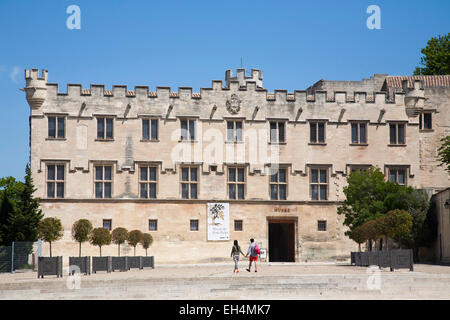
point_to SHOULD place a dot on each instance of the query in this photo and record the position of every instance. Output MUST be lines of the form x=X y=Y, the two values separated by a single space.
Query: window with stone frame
x=56 y=127
x=150 y=129
x=189 y=182
x=278 y=184
x=103 y=181
x=397 y=133
x=107 y=224
x=236 y=183
x=148 y=179
x=322 y=225
x=193 y=225
x=317 y=132
x=234 y=131
x=425 y=122
x=55 y=180
x=153 y=225
x=277 y=131
x=359 y=132
x=105 y=128
x=187 y=129
x=397 y=175
x=238 y=225
x=318 y=183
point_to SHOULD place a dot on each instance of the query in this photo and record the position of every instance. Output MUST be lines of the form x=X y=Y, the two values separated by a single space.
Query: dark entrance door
x=281 y=241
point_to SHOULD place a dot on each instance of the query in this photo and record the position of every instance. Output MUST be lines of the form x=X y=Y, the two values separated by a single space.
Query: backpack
x=257 y=249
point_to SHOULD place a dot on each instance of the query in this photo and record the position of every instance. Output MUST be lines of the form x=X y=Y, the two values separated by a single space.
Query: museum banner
x=218 y=221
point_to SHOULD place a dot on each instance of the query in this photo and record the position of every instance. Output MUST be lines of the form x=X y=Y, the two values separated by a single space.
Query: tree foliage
x=100 y=237
x=50 y=229
x=134 y=237
x=436 y=57
x=81 y=231
x=146 y=241
x=396 y=224
x=119 y=236
x=444 y=153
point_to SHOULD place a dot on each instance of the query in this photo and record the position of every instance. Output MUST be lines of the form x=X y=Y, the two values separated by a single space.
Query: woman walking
x=235 y=254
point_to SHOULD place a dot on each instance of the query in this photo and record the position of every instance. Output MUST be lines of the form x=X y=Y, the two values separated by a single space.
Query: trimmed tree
x=370 y=232
x=119 y=235
x=100 y=237
x=134 y=237
x=358 y=236
x=50 y=229
x=146 y=241
x=81 y=231
x=397 y=223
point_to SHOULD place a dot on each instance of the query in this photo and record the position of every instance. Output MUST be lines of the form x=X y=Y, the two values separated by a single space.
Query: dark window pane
x=392 y=134
x=362 y=133
x=144 y=173
x=185 y=174
x=274 y=192
x=193 y=191
x=401 y=177
x=153 y=225
x=107 y=224
x=60 y=172
x=354 y=133
x=51 y=172
x=282 y=177
x=312 y=132
x=238 y=131
x=401 y=133
x=282 y=191
x=241 y=191
x=427 y=120
x=281 y=131
x=108 y=173
x=321 y=129
x=50 y=189
x=60 y=189
x=230 y=131
x=61 y=125
x=323 y=176
x=315 y=192
x=109 y=128
x=52 y=127
x=183 y=130
x=193 y=174
x=240 y=174
x=237 y=225
x=98 y=189
x=194 y=225
x=99 y=173
x=232 y=191
x=145 y=129
x=323 y=192
x=152 y=190
x=392 y=175
x=152 y=171
x=192 y=129
x=314 y=175
x=420 y=122
x=274 y=176
x=185 y=191
x=143 y=190
x=273 y=132
x=154 y=129
x=100 y=128
x=107 y=189
x=232 y=174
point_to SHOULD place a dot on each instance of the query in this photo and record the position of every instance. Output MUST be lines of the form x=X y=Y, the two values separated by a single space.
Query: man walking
x=253 y=251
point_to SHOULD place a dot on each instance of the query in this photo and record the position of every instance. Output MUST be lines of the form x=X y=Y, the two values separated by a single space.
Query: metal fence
x=20 y=255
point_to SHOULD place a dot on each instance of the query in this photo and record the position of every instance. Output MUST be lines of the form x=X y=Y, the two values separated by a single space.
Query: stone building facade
x=154 y=160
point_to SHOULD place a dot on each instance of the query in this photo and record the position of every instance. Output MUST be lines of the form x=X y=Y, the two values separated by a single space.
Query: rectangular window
x=359 y=132
x=56 y=127
x=147 y=182
x=105 y=128
x=107 y=224
x=189 y=182
x=103 y=181
x=153 y=225
x=236 y=183
x=234 y=131
x=278 y=185
x=194 y=225
x=187 y=129
x=55 y=180
x=319 y=184
x=321 y=225
x=317 y=132
x=397 y=176
x=425 y=121
x=237 y=225
x=277 y=131
x=397 y=133
x=150 y=129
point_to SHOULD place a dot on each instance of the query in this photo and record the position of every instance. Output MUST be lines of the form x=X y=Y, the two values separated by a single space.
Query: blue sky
x=191 y=42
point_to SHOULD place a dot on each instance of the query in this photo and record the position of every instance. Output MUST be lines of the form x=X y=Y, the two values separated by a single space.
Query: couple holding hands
x=253 y=251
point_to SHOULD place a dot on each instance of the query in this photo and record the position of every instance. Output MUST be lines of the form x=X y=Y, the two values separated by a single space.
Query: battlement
x=256 y=76
x=33 y=74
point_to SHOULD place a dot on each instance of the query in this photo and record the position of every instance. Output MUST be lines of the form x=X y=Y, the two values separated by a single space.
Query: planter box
x=395 y=259
x=83 y=263
x=364 y=259
x=357 y=256
x=101 y=264
x=402 y=258
x=49 y=266
x=148 y=262
x=374 y=258
x=134 y=262
x=353 y=258
x=384 y=259
x=119 y=263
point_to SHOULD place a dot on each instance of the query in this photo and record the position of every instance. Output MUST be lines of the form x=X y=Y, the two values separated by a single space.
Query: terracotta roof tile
x=429 y=81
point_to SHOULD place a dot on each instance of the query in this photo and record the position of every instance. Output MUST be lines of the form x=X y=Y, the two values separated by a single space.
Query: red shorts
x=253 y=258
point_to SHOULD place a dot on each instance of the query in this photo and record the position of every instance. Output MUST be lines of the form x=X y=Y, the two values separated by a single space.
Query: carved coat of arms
x=233 y=104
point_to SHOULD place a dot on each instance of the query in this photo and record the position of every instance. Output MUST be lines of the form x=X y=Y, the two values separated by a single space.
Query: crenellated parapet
x=36 y=87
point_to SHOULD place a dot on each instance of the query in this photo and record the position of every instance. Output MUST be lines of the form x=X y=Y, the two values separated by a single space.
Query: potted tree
x=81 y=231
x=100 y=237
x=50 y=229
x=119 y=236
x=135 y=237
x=146 y=242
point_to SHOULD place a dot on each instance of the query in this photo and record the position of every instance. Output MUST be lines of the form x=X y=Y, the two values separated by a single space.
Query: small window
x=105 y=128
x=234 y=131
x=425 y=121
x=397 y=175
x=56 y=127
x=321 y=225
x=150 y=129
x=107 y=224
x=187 y=130
x=277 y=131
x=194 y=225
x=55 y=180
x=317 y=132
x=359 y=135
x=152 y=225
x=397 y=133
x=237 y=225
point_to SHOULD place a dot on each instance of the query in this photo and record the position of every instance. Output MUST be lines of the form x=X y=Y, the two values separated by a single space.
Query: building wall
x=442 y=245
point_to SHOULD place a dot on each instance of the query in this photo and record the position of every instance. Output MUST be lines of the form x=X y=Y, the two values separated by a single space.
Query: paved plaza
x=217 y=281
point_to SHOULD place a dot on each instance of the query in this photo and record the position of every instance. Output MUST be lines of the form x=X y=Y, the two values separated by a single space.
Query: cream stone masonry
x=242 y=98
